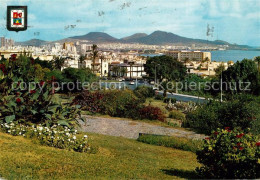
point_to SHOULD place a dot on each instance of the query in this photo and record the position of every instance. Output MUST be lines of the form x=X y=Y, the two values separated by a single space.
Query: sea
x=226 y=55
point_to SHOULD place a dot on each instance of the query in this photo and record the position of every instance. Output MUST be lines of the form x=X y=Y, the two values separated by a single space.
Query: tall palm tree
x=94 y=55
x=59 y=62
x=115 y=70
x=123 y=71
x=102 y=57
x=81 y=59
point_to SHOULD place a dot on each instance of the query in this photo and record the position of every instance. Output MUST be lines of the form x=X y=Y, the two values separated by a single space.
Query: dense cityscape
x=117 y=54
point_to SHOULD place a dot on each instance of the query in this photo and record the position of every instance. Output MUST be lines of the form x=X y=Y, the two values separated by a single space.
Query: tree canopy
x=167 y=68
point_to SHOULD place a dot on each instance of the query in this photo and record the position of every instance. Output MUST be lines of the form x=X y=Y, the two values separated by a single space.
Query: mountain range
x=155 y=38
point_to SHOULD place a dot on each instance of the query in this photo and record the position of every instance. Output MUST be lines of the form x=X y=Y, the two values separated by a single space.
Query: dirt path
x=131 y=129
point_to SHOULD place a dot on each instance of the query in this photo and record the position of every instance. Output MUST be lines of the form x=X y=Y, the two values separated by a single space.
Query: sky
x=235 y=21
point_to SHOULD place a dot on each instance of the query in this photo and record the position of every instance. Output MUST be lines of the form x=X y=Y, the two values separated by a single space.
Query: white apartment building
x=191 y=55
x=132 y=70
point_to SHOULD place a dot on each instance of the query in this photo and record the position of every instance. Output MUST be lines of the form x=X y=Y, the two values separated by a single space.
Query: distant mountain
x=161 y=38
x=32 y=42
x=155 y=38
x=96 y=37
x=133 y=37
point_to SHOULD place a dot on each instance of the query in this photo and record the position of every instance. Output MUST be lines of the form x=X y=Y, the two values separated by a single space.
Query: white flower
x=69 y=140
x=74 y=137
x=67 y=134
x=9 y=131
x=40 y=128
x=85 y=136
x=76 y=130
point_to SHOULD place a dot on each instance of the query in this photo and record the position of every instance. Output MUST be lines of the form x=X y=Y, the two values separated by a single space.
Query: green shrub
x=55 y=73
x=116 y=103
x=177 y=115
x=241 y=112
x=158 y=97
x=166 y=100
x=144 y=92
x=230 y=154
x=120 y=103
x=170 y=141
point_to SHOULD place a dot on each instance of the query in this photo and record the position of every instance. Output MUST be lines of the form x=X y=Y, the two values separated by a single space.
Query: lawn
x=117 y=158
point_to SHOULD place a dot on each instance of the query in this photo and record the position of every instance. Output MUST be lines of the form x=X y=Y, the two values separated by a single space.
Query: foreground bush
x=242 y=111
x=230 y=155
x=170 y=141
x=26 y=99
x=89 y=101
x=151 y=113
x=177 y=115
x=144 y=92
x=117 y=103
x=55 y=136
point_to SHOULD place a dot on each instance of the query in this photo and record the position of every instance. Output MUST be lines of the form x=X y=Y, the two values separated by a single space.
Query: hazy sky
x=235 y=21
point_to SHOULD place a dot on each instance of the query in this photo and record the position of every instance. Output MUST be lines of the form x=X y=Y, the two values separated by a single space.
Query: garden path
x=130 y=128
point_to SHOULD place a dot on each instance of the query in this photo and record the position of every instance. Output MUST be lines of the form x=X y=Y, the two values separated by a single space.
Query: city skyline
x=234 y=21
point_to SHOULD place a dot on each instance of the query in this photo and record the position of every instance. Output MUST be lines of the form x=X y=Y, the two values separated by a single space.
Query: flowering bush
x=230 y=154
x=152 y=113
x=55 y=136
x=89 y=101
x=117 y=103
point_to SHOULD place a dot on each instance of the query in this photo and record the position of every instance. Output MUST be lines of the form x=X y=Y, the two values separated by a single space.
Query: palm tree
x=81 y=59
x=115 y=70
x=123 y=71
x=94 y=55
x=59 y=62
x=102 y=58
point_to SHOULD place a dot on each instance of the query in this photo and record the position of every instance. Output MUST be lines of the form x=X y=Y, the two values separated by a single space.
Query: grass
x=173 y=142
x=117 y=158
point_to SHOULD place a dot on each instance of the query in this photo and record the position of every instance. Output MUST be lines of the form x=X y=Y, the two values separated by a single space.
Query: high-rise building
x=2 y=41
x=69 y=46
